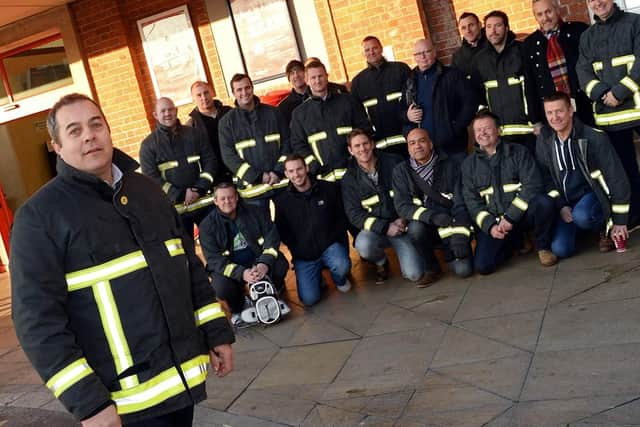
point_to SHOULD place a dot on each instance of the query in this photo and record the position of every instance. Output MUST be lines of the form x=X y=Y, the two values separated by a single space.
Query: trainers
x=605 y=244
x=547 y=258
x=382 y=272
x=344 y=288
x=238 y=323
x=428 y=279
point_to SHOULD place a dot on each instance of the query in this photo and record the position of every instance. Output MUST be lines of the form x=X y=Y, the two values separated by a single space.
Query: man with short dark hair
x=503 y=191
x=117 y=314
x=379 y=88
x=311 y=222
x=473 y=41
x=295 y=74
x=584 y=176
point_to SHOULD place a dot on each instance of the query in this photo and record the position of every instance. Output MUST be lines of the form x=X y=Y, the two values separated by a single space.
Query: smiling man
x=117 y=315
x=473 y=41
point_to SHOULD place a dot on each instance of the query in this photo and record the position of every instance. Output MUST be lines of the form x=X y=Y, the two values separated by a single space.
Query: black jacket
x=178 y=159
x=598 y=163
x=319 y=130
x=507 y=88
x=463 y=57
x=254 y=142
x=108 y=309
x=288 y=104
x=216 y=238
x=209 y=126
x=379 y=90
x=608 y=62
x=454 y=105
x=370 y=207
x=502 y=184
x=535 y=52
x=310 y=222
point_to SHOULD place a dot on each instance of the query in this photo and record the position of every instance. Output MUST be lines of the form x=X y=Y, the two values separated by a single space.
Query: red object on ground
x=6 y=219
x=275 y=96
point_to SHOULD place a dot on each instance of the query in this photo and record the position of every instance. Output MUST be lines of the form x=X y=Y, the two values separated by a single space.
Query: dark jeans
x=540 y=216
x=309 y=273
x=233 y=291
x=622 y=142
x=587 y=215
x=180 y=418
x=425 y=238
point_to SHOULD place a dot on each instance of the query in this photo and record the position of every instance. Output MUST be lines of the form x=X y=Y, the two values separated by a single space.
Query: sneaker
x=344 y=288
x=605 y=244
x=238 y=323
x=428 y=279
x=547 y=258
x=382 y=272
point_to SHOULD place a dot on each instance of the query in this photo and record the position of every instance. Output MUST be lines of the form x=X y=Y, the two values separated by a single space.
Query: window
x=265 y=35
x=629 y=5
x=33 y=69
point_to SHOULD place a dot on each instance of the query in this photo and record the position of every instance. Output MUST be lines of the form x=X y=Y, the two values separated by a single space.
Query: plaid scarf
x=425 y=171
x=557 y=63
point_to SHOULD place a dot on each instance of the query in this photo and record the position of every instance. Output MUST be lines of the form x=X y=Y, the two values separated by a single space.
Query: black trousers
x=180 y=418
x=622 y=142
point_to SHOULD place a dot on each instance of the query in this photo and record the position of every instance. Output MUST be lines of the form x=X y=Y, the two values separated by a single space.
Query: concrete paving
x=526 y=346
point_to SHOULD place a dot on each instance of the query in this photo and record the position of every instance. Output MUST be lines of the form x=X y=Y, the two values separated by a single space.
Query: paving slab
x=627 y=413
x=328 y=416
x=272 y=407
x=23 y=417
x=624 y=286
x=520 y=330
x=35 y=399
x=439 y=306
x=398 y=319
x=206 y=417
x=390 y=405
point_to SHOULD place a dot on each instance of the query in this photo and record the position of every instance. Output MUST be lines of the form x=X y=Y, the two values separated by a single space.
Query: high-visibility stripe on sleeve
x=590 y=87
x=309 y=159
x=482 y=215
x=207 y=176
x=370 y=201
x=228 y=270
x=629 y=84
x=393 y=96
x=597 y=66
x=166 y=187
x=510 y=188
x=553 y=194
x=368 y=223
x=416 y=201
x=598 y=176
x=167 y=165
x=260 y=240
x=520 y=204
x=273 y=137
x=68 y=376
x=193 y=159
x=270 y=251
x=390 y=141
x=445 y=232
x=174 y=246
x=281 y=159
x=490 y=84
x=370 y=102
x=623 y=60
x=620 y=208
x=208 y=313
x=343 y=130
x=317 y=137
x=200 y=203
x=242 y=170
x=417 y=213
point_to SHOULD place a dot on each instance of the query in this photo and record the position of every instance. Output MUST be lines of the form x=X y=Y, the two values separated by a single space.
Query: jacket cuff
x=218 y=332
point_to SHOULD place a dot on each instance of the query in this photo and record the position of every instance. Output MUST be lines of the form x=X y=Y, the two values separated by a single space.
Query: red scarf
x=557 y=63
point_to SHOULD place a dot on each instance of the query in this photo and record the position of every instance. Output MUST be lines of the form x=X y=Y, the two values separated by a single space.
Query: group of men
x=107 y=313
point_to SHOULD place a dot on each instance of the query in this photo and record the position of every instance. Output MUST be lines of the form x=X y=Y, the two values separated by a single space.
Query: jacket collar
x=195 y=112
x=615 y=15
x=383 y=64
x=125 y=163
x=482 y=41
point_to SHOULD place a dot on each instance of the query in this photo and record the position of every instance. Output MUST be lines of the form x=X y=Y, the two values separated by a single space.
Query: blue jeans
x=587 y=215
x=371 y=247
x=309 y=273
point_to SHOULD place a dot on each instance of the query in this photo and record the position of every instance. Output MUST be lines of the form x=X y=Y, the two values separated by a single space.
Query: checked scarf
x=557 y=63
x=425 y=171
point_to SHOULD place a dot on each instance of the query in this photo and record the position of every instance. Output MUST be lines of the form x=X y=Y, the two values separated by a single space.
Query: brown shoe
x=605 y=244
x=547 y=258
x=428 y=279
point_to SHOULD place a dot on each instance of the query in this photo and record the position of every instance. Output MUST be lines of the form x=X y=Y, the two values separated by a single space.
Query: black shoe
x=382 y=272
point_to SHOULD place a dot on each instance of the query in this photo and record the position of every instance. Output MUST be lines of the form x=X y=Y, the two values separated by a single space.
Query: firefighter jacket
x=216 y=238
x=463 y=57
x=535 y=53
x=178 y=159
x=454 y=105
x=117 y=307
x=409 y=199
x=368 y=206
x=508 y=90
x=379 y=89
x=608 y=52
x=597 y=162
x=252 y=143
x=319 y=130
x=310 y=222
x=500 y=185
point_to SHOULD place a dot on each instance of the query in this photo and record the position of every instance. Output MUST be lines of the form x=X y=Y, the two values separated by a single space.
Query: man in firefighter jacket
x=609 y=73
x=367 y=192
x=117 y=315
x=320 y=126
x=503 y=191
x=181 y=160
x=473 y=41
x=499 y=73
x=379 y=88
x=240 y=244
x=254 y=140
x=427 y=190
x=584 y=176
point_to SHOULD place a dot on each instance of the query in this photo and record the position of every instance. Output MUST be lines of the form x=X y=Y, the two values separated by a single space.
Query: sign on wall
x=172 y=54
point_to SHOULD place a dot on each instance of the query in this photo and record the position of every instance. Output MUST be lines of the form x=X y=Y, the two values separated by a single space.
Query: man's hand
x=497 y=233
x=505 y=226
x=273 y=178
x=260 y=270
x=221 y=358
x=401 y=222
x=394 y=230
x=108 y=417
x=190 y=196
x=414 y=114
x=619 y=232
x=249 y=275
x=610 y=100
x=265 y=177
x=566 y=214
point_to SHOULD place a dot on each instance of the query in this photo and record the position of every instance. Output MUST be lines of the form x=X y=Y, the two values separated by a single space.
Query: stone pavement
x=527 y=346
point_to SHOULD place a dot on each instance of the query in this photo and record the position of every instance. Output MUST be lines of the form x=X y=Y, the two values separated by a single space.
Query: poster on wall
x=172 y=54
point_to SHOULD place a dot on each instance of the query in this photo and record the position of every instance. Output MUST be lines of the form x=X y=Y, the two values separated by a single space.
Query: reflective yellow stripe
x=554 y=194
x=417 y=213
x=309 y=159
x=208 y=313
x=597 y=66
x=520 y=204
x=371 y=201
x=228 y=270
x=174 y=246
x=590 y=87
x=270 y=251
x=313 y=141
x=391 y=194
x=167 y=165
x=393 y=96
x=317 y=137
x=490 y=84
x=512 y=81
x=163 y=386
x=481 y=217
x=598 y=176
x=390 y=141
x=242 y=170
x=257 y=190
x=368 y=223
x=282 y=159
x=416 y=201
x=68 y=376
x=445 y=232
x=193 y=159
x=260 y=241
x=486 y=192
x=241 y=145
x=618 y=117
x=333 y=176
x=200 y=203
x=274 y=137
x=516 y=129
x=109 y=270
x=166 y=187
x=510 y=188
x=627 y=60
x=370 y=102
x=343 y=130
x=620 y=209
x=630 y=84
x=207 y=176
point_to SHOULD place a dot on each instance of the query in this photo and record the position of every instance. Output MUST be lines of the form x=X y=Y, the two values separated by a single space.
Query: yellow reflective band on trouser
x=273 y=137
x=368 y=223
x=166 y=187
x=598 y=176
x=590 y=87
x=242 y=170
x=554 y=194
x=68 y=376
x=516 y=129
x=369 y=102
x=228 y=270
x=520 y=204
x=597 y=66
x=393 y=96
x=333 y=176
x=390 y=141
x=208 y=313
x=445 y=232
x=270 y=251
x=193 y=159
x=417 y=213
x=207 y=176
x=343 y=130
x=481 y=217
x=624 y=116
x=370 y=201
x=200 y=203
x=161 y=387
x=510 y=188
x=620 y=209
